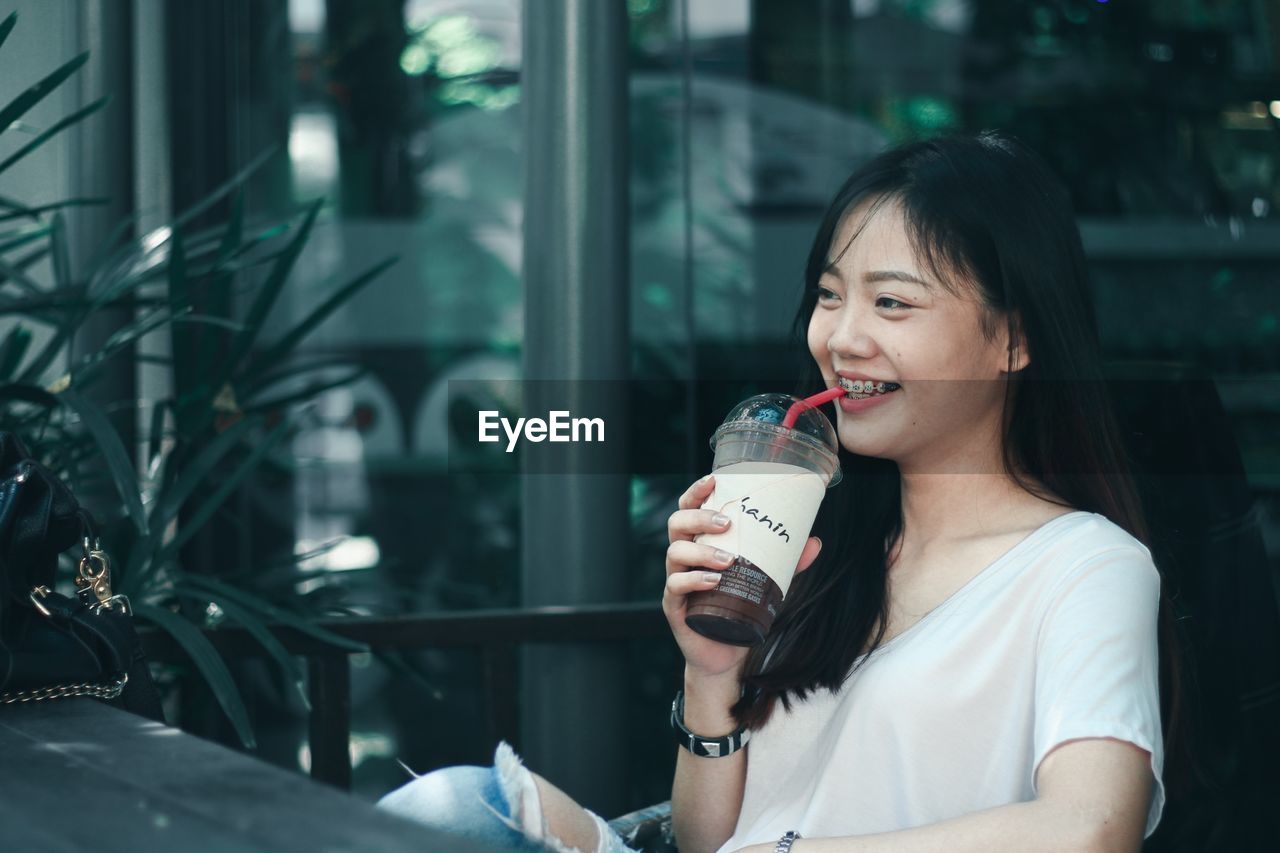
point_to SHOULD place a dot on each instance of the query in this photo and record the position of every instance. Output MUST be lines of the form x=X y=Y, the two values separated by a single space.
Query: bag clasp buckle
x=37 y=596
x=93 y=579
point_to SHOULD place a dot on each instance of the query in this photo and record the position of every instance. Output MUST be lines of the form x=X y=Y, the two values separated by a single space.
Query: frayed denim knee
x=496 y=805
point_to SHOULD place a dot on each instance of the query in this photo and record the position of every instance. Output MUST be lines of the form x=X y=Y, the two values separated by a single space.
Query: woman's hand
x=688 y=565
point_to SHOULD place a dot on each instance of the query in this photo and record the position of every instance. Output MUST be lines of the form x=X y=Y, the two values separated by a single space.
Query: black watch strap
x=708 y=747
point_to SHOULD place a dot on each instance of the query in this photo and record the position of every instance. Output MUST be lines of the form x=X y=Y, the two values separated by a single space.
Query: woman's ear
x=1018 y=354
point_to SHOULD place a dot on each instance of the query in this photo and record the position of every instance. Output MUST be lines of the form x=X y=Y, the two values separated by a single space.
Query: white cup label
x=771 y=507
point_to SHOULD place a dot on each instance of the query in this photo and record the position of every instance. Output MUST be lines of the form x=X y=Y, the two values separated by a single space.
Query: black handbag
x=53 y=645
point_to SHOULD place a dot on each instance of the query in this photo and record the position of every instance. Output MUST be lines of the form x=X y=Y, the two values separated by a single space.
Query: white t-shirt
x=1054 y=641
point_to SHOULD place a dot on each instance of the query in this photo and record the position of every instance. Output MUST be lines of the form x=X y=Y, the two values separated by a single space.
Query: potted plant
x=236 y=397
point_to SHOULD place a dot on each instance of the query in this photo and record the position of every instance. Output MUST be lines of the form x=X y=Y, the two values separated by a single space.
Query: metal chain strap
x=98 y=691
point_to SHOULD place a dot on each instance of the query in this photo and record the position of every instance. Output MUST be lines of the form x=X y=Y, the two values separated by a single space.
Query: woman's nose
x=849 y=338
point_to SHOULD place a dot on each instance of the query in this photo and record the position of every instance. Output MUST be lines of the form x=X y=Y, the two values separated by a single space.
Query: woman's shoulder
x=1093 y=533
x=1080 y=529
x=1090 y=545
x=1090 y=531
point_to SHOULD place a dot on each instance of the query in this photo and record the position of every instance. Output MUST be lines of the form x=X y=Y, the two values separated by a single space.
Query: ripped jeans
x=496 y=805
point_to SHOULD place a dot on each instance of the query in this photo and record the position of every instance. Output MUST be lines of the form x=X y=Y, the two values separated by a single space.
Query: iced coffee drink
x=775 y=457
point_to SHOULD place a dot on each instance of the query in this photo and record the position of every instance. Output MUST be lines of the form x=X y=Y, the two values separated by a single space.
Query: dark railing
x=497 y=634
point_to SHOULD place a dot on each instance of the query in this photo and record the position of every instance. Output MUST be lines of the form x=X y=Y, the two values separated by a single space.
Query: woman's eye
x=823 y=293
x=896 y=304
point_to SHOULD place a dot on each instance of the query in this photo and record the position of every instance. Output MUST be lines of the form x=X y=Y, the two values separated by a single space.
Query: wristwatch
x=784 y=843
x=709 y=747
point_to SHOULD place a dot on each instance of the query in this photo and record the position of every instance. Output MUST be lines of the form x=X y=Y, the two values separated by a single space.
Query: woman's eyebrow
x=879 y=275
x=894 y=275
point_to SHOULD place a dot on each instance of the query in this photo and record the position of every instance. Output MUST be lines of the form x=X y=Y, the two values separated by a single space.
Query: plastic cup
x=770 y=481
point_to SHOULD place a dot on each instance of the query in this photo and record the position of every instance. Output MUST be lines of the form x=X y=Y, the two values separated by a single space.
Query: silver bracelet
x=785 y=842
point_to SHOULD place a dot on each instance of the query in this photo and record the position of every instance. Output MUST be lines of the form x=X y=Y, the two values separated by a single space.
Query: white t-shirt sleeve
x=1097 y=661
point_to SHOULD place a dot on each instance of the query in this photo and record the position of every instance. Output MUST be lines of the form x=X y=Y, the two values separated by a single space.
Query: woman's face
x=872 y=319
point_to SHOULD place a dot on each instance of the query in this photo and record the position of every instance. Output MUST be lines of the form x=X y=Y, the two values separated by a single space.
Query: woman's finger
x=683 y=555
x=810 y=553
x=697 y=493
x=683 y=583
x=688 y=523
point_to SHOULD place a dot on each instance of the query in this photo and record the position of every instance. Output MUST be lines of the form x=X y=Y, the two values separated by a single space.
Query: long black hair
x=981 y=209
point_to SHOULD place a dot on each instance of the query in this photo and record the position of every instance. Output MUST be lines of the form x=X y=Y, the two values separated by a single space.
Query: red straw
x=789 y=419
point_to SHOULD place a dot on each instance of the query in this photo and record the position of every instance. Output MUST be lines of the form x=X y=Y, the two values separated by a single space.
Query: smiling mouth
x=860 y=390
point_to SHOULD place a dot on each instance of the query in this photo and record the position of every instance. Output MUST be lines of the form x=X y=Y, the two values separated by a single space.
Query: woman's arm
x=1094 y=796
x=706 y=795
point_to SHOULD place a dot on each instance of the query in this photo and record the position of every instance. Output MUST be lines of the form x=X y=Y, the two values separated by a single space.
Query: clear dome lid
x=761 y=418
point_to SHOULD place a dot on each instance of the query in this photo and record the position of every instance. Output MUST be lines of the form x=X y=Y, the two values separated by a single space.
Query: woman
x=970 y=661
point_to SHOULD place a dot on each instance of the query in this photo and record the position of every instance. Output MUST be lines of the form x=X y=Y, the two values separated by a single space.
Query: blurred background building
x=407 y=117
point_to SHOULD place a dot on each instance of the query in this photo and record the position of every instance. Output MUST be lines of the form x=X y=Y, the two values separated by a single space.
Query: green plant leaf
x=20 y=211
x=52 y=303
x=308 y=392
x=269 y=233
x=211 y=347
x=220 y=296
x=182 y=346
x=32 y=394
x=222 y=190
x=15 y=237
x=152 y=358
x=209 y=320
x=126 y=335
x=275 y=353
x=259 y=631
x=67 y=326
x=16 y=274
x=297 y=366
x=268 y=293
x=285 y=568
x=61 y=253
x=143 y=260
x=57 y=127
x=345 y=578
x=30 y=259
x=124 y=227
x=207 y=275
x=233 y=236
x=155 y=437
x=232 y=241
x=13 y=350
x=18 y=107
x=241 y=472
x=121 y=338
x=36 y=367
x=194 y=473
x=7 y=25
x=207 y=661
x=121 y=270
x=270 y=611
x=113 y=454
